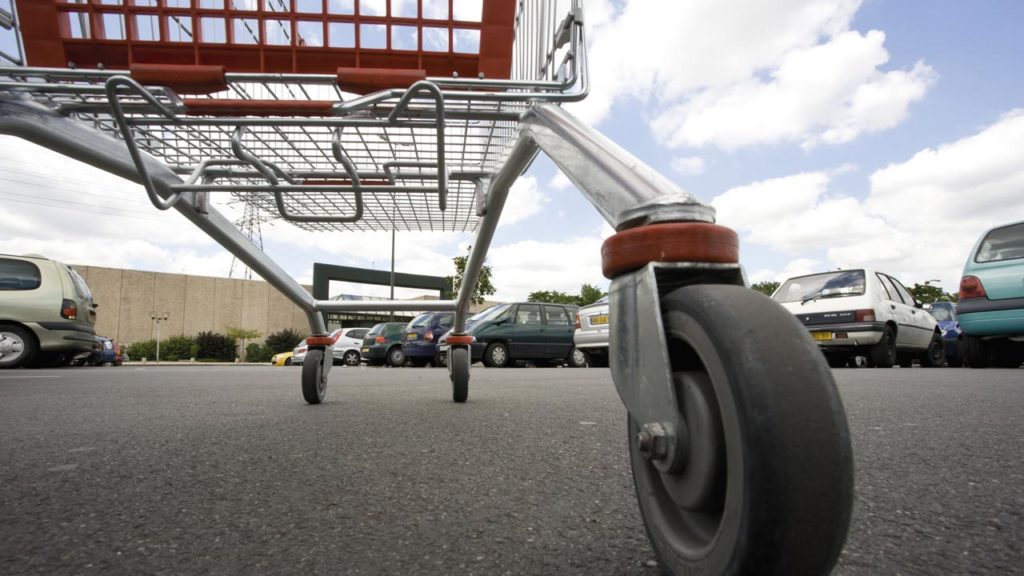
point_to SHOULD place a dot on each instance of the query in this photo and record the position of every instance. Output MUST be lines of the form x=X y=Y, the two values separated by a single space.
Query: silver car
x=591 y=334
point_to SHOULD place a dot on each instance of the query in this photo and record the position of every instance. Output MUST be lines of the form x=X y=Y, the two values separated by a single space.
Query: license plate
x=819 y=336
x=412 y=336
x=599 y=320
x=366 y=349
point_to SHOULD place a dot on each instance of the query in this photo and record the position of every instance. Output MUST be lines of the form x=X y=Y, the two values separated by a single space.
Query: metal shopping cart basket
x=335 y=116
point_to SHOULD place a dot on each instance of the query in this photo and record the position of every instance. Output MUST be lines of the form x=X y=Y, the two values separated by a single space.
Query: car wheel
x=935 y=355
x=396 y=357
x=496 y=355
x=576 y=359
x=883 y=354
x=287 y=361
x=440 y=359
x=17 y=346
x=977 y=353
x=351 y=358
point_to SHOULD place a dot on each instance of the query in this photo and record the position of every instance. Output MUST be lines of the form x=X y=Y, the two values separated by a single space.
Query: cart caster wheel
x=314 y=381
x=763 y=483
x=459 y=360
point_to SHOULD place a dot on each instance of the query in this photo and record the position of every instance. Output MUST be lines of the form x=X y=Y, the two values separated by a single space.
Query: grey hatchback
x=47 y=315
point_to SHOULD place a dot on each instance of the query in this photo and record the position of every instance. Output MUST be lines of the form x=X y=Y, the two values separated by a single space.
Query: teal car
x=991 y=303
x=533 y=331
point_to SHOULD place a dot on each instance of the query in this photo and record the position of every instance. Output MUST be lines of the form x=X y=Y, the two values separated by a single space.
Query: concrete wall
x=193 y=304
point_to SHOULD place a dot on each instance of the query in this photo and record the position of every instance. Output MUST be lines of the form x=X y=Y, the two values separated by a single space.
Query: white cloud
x=919 y=221
x=560 y=181
x=524 y=200
x=688 y=165
x=527 y=266
x=733 y=74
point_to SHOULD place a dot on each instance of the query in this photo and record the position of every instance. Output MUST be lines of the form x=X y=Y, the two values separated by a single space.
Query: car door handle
x=893 y=306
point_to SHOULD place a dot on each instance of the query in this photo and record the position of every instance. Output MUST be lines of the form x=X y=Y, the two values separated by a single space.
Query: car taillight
x=865 y=315
x=970 y=287
x=577 y=320
x=380 y=340
x=68 y=309
x=429 y=337
x=302 y=350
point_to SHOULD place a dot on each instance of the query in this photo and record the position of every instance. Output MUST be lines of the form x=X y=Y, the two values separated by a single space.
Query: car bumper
x=848 y=335
x=70 y=336
x=591 y=339
x=993 y=322
x=419 y=349
x=374 y=353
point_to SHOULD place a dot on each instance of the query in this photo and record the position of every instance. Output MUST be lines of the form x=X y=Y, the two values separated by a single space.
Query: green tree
x=590 y=294
x=553 y=296
x=767 y=287
x=928 y=293
x=213 y=346
x=283 y=340
x=242 y=334
x=484 y=288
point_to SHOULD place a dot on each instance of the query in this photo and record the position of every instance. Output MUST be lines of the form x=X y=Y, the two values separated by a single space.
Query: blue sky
x=832 y=133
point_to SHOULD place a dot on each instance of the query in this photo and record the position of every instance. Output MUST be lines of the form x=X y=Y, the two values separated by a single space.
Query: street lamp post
x=158 y=318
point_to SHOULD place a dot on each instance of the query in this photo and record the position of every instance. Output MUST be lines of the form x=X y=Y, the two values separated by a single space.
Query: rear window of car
x=394 y=328
x=361 y=333
x=1006 y=243
x=80 y=286
x=826 y=285
x=420 y=321
x=375 y=330
x=19 y=275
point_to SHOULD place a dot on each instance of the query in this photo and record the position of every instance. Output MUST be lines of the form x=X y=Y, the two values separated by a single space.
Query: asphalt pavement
x=225 y=470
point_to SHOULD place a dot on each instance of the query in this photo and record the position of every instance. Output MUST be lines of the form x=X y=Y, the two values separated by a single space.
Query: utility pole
x=157 y=318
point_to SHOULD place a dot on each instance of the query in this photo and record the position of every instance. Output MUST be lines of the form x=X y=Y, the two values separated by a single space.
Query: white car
x=591 y=335
x=862 y=312
x=344 y=351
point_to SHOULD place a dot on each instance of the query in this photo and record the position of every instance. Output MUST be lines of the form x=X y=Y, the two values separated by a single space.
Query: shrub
x=283 y=340
x=257 y=353
x=178 y=348
x=142 y=349
x=211 y=345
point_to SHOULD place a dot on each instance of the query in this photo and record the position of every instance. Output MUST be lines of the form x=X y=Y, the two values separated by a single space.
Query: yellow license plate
x=412 y=336
x=599 y=320
x=819 y=336
x=366 y=349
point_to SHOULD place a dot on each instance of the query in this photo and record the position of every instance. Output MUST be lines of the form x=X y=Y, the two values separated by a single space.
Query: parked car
x=104 y=351
x=862 y=312
x=47 y=314
x=945 y=315
x=991 y=304
x=591 y=335
x=421 y=336
x=282 y=358
x=345 y=349
x=525 y=331
x=383 y=344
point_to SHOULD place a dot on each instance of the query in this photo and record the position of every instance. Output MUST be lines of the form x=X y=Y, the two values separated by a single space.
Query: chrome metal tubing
x=386 y=305
x=38 y=124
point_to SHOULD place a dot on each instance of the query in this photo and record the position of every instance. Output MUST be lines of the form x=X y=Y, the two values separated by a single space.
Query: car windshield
x=1006 y=243
x=824 y=285
x=491 y=313
x=420 y=321
x=941 y=313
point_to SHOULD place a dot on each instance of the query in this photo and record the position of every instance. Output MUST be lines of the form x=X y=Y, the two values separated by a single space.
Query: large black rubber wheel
x=351 y=358
x=314 y=382
x=767 y=484
x=935 y=355
x=576 y=359
x=396 y=357
x=883 y=354
x=17 y=346
x=977 y=353
x=496 y=355
x=459 y=358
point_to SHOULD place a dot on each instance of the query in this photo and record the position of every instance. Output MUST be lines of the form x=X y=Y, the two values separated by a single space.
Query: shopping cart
x=336 y=119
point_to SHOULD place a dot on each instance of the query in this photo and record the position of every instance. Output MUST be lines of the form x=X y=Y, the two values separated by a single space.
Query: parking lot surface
x=224 y=469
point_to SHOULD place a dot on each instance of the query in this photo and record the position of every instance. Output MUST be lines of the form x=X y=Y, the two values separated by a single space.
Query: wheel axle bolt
x=652 y=441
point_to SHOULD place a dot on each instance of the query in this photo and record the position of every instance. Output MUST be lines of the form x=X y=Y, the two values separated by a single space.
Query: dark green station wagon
x=525 y=331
